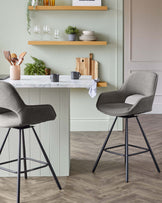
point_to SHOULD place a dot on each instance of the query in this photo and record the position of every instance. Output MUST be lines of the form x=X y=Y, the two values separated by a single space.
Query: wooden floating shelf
x=67 y=43
x=69 y=8
x=102 y=84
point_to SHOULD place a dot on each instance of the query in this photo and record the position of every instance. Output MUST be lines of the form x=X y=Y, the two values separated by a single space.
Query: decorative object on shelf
x=15 y=64
x=45 y=2
x=87 y=66
x=52 y=2
x=36 y=68
x=40 y=2
x=34 y=3
x=86 y=3
x=72 y=33
x=88 y=36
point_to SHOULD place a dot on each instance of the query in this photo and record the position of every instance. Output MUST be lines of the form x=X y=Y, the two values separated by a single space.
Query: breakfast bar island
x=55 y=135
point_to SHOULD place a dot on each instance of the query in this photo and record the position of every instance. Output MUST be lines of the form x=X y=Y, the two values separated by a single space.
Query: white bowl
x=87 y=38
x=86 y=32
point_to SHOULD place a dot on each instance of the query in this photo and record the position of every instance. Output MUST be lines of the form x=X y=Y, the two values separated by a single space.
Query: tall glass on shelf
x=37 y=32
x=40 y=2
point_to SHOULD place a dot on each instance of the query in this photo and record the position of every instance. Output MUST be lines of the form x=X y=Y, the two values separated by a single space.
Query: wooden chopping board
x=94 y=69
x=87 y=66
x=83 y=66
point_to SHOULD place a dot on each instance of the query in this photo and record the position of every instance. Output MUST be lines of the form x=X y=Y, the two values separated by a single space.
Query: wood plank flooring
x=107 y=185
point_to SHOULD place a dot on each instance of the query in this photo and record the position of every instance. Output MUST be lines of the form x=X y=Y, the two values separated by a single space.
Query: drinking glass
x=46 y=32
x=37 y=32
x=56 y=33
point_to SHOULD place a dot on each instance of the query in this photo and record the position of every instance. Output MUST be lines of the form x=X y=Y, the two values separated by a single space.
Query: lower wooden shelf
x=102 y=43
x=102 y=84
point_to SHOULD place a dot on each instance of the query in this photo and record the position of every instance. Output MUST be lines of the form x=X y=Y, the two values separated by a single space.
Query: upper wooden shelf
x=67 y=42
x=69 y=8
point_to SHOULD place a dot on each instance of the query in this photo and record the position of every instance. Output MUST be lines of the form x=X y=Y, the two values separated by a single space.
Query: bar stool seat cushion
x=115 y=109
x=134 y=97
x=29 y=115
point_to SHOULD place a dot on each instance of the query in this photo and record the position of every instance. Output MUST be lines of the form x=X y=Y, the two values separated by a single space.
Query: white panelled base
x=54 y=135
x=96 y=124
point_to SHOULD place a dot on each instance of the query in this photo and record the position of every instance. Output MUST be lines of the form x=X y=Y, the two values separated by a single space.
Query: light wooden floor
x=107 y=185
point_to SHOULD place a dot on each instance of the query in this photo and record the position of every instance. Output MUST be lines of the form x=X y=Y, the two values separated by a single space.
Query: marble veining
x=65 y=81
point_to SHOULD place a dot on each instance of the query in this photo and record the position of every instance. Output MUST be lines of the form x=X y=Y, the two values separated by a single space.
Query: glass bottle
x=45 y=2
x=52 y=2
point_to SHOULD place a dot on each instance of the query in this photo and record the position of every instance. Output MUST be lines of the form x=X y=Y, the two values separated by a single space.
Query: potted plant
x=36 y=68
x=72 y=33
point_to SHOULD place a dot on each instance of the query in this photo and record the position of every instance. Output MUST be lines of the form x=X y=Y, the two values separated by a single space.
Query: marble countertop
x=45 y=82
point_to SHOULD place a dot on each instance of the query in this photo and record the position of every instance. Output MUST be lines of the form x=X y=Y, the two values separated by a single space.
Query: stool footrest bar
x=29 y=170
x=108 y=149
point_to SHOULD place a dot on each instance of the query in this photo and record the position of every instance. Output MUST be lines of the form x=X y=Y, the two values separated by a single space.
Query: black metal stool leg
x=3 y=144
x=148 y=145
x=126 y=150
x=103 y=147
x=19 y=169
x=24 y=154
x=46 y=157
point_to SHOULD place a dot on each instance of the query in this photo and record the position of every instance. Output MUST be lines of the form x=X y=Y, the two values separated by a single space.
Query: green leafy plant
x=71 y=30
x=38 y=67
x=28 y=17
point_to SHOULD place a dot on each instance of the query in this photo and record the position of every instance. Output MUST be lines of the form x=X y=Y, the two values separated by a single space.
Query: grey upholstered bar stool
x=14 y=113
x=135 y=97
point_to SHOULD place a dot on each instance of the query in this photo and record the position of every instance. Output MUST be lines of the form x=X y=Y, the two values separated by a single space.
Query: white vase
x=15 y=72
x=34 y=2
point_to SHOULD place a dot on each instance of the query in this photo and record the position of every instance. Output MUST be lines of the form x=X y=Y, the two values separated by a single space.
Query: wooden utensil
x=7 y=56
x=21 y=58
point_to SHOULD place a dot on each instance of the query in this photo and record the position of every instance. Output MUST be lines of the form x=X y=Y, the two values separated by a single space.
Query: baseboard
x=95 y=125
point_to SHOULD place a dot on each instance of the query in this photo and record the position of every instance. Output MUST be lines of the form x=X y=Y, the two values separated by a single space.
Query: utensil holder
x=15 y=72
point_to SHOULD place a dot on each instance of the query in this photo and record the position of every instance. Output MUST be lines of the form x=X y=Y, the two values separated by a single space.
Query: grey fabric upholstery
x=15 y=113
x=134 y=97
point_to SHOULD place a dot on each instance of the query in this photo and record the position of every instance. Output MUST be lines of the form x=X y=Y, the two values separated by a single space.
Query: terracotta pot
x=47 y=71
x=15 y=72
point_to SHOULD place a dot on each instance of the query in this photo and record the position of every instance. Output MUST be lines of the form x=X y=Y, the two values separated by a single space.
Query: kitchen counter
x=44 y=82
x=55 y=135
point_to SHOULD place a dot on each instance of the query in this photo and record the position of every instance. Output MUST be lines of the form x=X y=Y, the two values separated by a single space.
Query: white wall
x=107 y=24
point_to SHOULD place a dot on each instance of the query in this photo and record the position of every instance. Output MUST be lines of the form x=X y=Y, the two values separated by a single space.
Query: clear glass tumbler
x=56 y=34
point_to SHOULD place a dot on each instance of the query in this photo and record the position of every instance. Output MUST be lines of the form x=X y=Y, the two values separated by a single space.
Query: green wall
x=108 y=26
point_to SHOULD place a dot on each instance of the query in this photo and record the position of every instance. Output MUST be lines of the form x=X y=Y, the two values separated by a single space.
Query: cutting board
x=83 y=66
x=87 y=66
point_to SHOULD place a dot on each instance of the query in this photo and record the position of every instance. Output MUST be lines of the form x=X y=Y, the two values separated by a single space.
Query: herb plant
x=71 y=30
x=36 y=68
